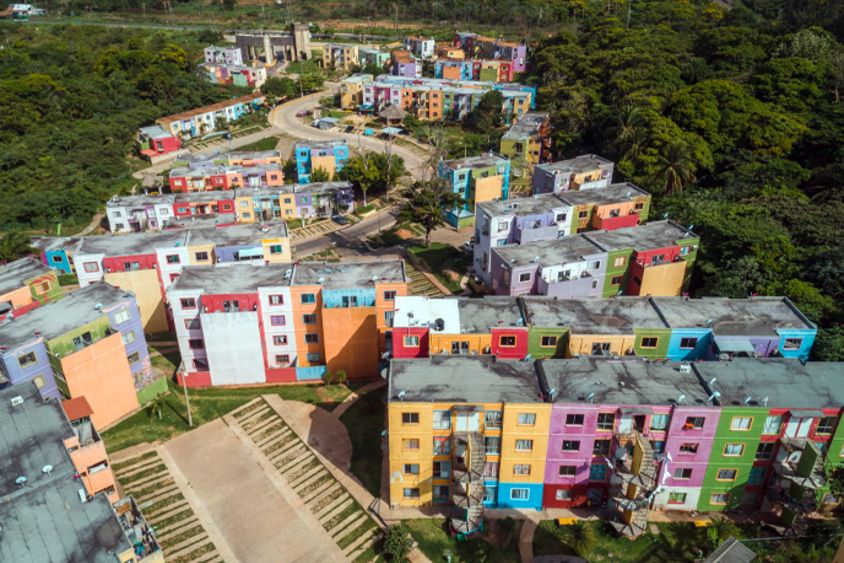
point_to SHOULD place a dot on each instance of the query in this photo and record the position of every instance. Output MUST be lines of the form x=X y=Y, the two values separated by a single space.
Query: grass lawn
x=303 y=67
x=441 y=257
x=549 y=539
x=365 y=421
x=206 y=405
x=499 y=544
x=267 y=144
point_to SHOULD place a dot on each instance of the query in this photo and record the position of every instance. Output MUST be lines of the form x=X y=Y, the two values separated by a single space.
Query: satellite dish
x=47 y=469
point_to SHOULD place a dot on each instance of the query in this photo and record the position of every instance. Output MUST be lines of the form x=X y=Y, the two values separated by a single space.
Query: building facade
x=197 y=122
x=403 y=63
x=328 y=156
x=336 y=56
x=527 y=142
x=475 y=179
x=584 y=172
x=26 y=284
x=226 y=171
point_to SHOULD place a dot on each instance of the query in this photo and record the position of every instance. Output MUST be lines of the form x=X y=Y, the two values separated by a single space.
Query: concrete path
x=355 y=395
x=526 y=541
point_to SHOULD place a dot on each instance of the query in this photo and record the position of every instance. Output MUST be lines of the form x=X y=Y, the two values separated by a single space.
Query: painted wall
x=581 y=344
x=147 y=289
x=557 y=349
x=233 y=346
x=663 y=280
x=354 y=347
x=535 y=458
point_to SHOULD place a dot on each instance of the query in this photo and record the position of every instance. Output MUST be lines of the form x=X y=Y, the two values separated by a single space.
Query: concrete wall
x=147 y=289
x=233 y=345
x=351 y=344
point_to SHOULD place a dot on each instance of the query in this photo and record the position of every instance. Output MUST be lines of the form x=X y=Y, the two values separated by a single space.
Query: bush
x=68 y=279
x=398 y=543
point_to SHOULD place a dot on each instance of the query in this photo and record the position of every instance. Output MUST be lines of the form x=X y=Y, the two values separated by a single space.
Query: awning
x=636 y=410
x=805 y=414
x=251 y=252
x=734 y=346
x=391 y=131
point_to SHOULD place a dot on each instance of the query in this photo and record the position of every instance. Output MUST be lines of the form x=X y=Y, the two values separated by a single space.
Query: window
x=726 y=475
x=619 y=261
x=442 y=446
x=524 y=277
x=571 y=445
x=561 y=217
x=389 y=318
x=519 y=494
x=756 y=476
x=173 y=259
x=411 y=341
x=562 y=494
x=491 y=469
x=526 y=419
x=659 y=422
x=201 y=256
x=792 y=344
x=192 y=324
x=409 y=492
x=121 y=317
x=521 y=469
x=616 y=280
x=312 y=338
x=276 y=249
x=601 y=447
x=196 y=344
x=278 y=320
x=503 y=226
x=188 y=303
x=825 y=425
x=276 y=300
x=389 y=296
x=689 y=448
x=649 y=342
x=27 y=359
x=128 y=337
x=598 y=472
x=309 y=318
x=410 y=418
x=719 y=498
x=583 y=214
x=308 y=298
x=442 y=420
x=548 y=341
x=568 y=470
x=772 y=425
x=313 y=357
x=507 y=341
x=411 y=469
x=200 y=364
x=688 y=343
x=442 y=469
x=282 y=359
x=676 y=498
x=279 y=339
x=91 y=267
x=132 y=358
x=734 y=450
x=492 y=419
x=606 y=421
x=574 y=420
x=524 y=445
x=694 y=423
x=683 y=473
x=410 y=443
x=492 y=445
x=765 y=450
x=349 y=301
x=741 y=423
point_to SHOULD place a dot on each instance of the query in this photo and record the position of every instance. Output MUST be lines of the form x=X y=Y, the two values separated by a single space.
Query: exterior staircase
x=468 y=459
x=636 y=478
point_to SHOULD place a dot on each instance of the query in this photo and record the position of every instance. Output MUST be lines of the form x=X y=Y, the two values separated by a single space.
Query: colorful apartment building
x=226 y=171
x=549 y=217
x=437 y=99
x=147 y=263
x=351 y=90
x=156 y=144
x=373 y=56
x=87 y=451
x=337 y=56
x=450 y=51
x=628 y=434
x=527 y=142
x=479 y=46
x=207 y=119
x=55 y=517
x=652 y=259
x=462 y=326
x=287 y=322
x=584 y=172
x=403 y=63
x=235 y=75
x=223 y=55
x=488 y=70
x=420 y=47
x=26 y=284
x=476 y=179
x=90 y=343
x=328 y=156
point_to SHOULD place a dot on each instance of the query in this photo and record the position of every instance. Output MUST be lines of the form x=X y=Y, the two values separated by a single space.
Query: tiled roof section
x=249 y=98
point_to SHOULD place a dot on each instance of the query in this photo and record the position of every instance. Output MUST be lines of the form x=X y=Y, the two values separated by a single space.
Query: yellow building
x=351 y=90
x=335 y=55
x=469 y=431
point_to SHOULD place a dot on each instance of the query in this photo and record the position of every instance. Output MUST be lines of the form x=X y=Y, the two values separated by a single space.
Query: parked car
x=350 y=129
x=340 y=220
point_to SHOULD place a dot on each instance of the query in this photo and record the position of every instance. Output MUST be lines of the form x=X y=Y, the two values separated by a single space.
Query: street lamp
x=187 y=400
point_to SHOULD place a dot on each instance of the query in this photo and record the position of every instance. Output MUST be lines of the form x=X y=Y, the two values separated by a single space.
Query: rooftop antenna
x=680 y=399
x=747 y=400
x=401 y=395
x=712 y=381
x=590 y=397
x=714 y=395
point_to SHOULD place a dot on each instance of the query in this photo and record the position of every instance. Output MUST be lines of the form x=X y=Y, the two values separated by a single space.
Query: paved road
x=350 y=237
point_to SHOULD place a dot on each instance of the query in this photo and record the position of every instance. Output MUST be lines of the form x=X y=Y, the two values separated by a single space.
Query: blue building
x=476 y=179
x=329 y=156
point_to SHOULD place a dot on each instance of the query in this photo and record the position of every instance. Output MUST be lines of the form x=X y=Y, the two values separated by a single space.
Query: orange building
x=87 y=450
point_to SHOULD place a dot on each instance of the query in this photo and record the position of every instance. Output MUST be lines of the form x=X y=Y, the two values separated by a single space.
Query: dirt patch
x=405 y=234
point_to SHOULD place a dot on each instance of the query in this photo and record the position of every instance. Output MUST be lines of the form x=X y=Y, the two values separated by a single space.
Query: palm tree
x=580 y=536
x=719 y=530
x=156 y=404
x=426 y=203
x=13 y=245
x=676 y=167
x=627 y=124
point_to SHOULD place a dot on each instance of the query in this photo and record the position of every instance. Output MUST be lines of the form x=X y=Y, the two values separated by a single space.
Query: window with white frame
x=524 y=445
x=526 y=419
x=442 y=420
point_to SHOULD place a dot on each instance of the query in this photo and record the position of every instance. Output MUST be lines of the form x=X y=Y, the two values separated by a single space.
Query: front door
x=468 y=421
x=625 y=425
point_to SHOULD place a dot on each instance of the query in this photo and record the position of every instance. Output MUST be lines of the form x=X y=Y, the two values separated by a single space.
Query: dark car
x=339 y=219
x=350 y=129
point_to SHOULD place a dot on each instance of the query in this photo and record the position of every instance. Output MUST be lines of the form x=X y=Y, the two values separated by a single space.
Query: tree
x=340 y=377
x=580 y=536
x=156 y=405
x=487 y=114
x=320 y=175
x=426 y=203
x=311 y=82
x=280 y=87
x=398 y=543
x=14 y=245
x=229 y=5
x=676 y=167
x=372 y=172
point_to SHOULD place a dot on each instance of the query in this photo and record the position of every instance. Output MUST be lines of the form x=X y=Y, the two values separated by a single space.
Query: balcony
x=137 y=531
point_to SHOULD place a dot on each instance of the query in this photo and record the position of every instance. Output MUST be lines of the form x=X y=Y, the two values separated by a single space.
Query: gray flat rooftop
x=621 y=382
x=533 y=205
x=654 y=234
x=59 y=317
x=349 y=275
x=462 y=379
x=141 y=200
x=237 y=235
x=321 y=144
x=549 y=253
x=243 y=278
x=786 y=383
x=578 y=164
x=44 y=520
x=481 y=161
x=480 y=315
x=592 y=316
x=316 y=187
x=614 y=193
x=528 y=125
x=752 y=316
x=14 y=274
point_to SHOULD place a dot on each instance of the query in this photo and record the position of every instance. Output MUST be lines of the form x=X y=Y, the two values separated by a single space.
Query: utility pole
x=629 y=7
x=187 y=401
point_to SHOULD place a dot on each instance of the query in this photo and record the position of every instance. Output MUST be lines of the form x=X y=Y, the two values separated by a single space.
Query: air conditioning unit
x=17 y=401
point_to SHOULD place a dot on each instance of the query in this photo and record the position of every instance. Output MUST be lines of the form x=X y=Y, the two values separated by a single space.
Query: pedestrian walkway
x=421 y=284
x=319 y=228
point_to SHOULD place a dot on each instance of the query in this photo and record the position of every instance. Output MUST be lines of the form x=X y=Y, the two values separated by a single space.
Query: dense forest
x=71 y=101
